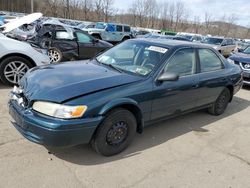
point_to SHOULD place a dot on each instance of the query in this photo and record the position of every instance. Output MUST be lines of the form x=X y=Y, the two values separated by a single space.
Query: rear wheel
x=115 y=133
x=55 y=55
x=221 y=103
x=12 y=69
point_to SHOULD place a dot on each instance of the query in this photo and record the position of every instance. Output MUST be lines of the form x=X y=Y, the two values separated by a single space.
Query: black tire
x=58 y=55
x=102 y=141
x=221 y=103
x=6 y=62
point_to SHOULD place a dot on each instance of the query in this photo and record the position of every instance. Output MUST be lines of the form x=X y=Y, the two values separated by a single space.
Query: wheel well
x=135 y=111
x=19 y=55
x=126 y=37
x=231 y=89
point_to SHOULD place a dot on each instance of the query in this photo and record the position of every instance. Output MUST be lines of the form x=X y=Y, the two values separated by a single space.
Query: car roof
x=168 y=43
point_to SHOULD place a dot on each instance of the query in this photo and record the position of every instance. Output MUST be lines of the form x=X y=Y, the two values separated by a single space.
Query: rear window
x=63 y=35
x=209 y=61
x=119 y=28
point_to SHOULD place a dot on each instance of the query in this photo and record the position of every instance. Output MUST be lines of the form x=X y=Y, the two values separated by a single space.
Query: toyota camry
x=105 y=101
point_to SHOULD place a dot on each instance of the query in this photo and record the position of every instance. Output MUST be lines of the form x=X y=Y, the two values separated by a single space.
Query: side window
x=81 y=37
x=62 y=35
x=182 y=63
x=126 y=29
x=209 y=61
x=119 y=28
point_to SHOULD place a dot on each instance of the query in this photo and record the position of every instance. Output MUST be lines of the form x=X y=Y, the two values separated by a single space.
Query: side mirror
x=168 y=76
x=223 y=44
x=240 y=50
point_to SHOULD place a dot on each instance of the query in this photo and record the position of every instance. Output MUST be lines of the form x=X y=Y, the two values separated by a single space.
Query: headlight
x=230 y=60
x=58 y=110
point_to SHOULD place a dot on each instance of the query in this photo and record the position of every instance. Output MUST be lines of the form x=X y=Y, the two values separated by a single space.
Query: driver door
x=173 y=97
x=87 y=47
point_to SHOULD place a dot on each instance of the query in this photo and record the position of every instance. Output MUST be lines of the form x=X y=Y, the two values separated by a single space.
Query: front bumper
x=51 y=131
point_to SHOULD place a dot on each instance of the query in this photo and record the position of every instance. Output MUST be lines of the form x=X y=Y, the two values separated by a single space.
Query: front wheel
x=115 y=133
x=12 y=69
x=221 y=103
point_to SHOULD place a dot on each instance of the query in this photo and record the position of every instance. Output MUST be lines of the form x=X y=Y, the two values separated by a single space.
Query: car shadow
x=152 y=136
x=4 y=86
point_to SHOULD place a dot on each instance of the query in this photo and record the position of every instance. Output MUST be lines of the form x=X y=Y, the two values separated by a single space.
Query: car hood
x=62 y=82
x=104 y=43
x=20 y=21
x=241 y=57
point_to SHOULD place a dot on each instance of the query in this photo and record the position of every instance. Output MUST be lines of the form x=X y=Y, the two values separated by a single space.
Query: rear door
x=173 y=97
x=87 y=48
x=119 y=33
x=212 y=76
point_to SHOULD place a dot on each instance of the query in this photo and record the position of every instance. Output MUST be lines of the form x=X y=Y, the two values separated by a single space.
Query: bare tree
x=179 y=13
x=164 y=15
x=107 y=9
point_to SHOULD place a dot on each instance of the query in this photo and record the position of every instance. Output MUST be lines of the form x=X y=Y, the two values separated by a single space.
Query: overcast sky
x=241 y=8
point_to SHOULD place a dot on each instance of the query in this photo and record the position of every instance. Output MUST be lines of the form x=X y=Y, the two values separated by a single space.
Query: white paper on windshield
x=158 y=49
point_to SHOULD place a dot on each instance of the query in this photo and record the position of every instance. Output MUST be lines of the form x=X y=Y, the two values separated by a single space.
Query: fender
x=118 y=102
x=126 y=101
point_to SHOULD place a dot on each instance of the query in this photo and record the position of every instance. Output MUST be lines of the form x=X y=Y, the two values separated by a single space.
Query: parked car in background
x=70 y=44
x=16 y=58
x=84 y=26
x=170 y=37
x=242 y=58
x=191 y=37
x=175 y=38
x=110 y=32
x=141 y=33
x=106 y=100
x=224 y=45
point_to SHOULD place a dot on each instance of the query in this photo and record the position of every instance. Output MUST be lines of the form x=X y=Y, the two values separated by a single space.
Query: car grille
x=246 y=79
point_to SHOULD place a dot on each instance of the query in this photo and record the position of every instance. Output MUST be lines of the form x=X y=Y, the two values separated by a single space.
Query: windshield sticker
x=158 y=49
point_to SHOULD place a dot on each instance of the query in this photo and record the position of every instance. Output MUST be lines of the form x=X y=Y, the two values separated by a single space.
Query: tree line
x=168 y=15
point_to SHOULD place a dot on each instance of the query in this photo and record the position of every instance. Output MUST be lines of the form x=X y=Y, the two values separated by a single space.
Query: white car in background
x=17 y=57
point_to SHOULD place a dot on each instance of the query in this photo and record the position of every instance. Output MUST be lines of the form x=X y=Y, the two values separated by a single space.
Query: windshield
x=216 y=41
x=133 y=57
x=247 y=50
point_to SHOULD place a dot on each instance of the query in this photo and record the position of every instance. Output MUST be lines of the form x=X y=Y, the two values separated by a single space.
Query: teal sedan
x=105 y=101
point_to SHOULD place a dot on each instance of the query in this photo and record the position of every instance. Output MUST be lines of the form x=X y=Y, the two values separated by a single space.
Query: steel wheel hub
x=117 y=133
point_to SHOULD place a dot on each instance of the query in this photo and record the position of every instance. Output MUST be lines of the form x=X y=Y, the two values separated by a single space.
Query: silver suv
x=110 y=32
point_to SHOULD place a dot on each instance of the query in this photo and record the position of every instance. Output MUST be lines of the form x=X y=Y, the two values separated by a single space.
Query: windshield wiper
x=109 y=65
x=114 y=67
